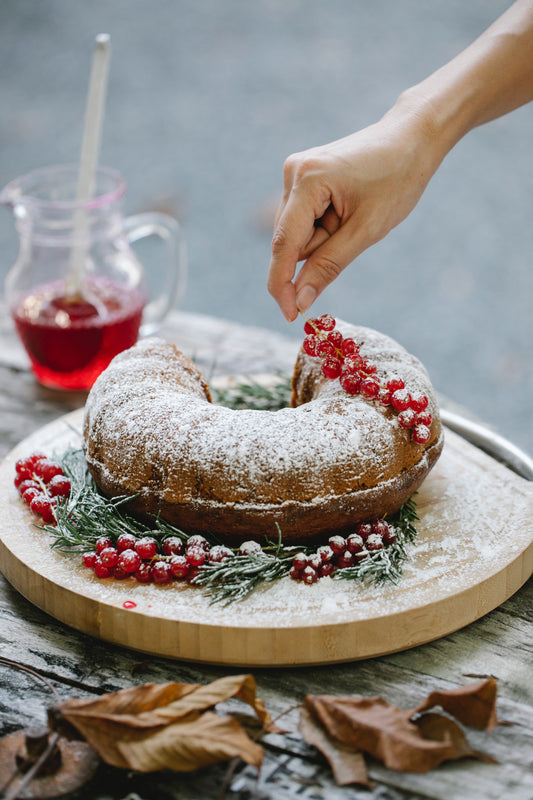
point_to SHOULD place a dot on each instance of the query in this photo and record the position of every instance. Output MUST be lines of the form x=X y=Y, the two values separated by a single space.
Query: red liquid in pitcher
x=70 y=341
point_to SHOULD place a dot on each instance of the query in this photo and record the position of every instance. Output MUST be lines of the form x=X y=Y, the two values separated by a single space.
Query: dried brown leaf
x=166 y=726
x=384 y=731
x=473 y=705
x=439 y=728
x=348 y=765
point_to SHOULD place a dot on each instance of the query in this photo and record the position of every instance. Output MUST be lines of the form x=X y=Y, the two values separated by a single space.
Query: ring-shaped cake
x=315 y=469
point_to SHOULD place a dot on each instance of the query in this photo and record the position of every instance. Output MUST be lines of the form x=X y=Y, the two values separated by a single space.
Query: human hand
x=343 y=197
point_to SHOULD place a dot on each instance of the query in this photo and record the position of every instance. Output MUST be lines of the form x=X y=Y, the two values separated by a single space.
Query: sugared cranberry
x=109 y=556
x=100 y=570
x=421 y=434
x=195 y=556
x=389 y=536
x=370 y=388
x=335 y=337
x=89 y=559
x=380 y=527
x=59 y=486
x=325 y=552
x=350 y=383
x=198 y=541
x=326 y=569
x=374 y=542
x=309 y=345
x=126 y=541
x=146 y=547
x=400 y=399
x=355 y=543
x=326 y=322
x=395 y=383
x=325 y=349
x=345 y=560
x=295 y=574
x=309 y=575
x=364 y=529
x=47 y=469
x=219 y=553
x=179 y=566
x=30 y=493
x=161 y=572
x=101 y=543
x=331 y=368
x=311 y=326
x=419 y=402
x=118 y=573
x=407 y=418
x=337 y=544
x=172 y=546
x=349 y=347
x=41 y=504
x=299 y=561
x=144 y=573
x=250 y=548
x=129 y=560
x=423 y=418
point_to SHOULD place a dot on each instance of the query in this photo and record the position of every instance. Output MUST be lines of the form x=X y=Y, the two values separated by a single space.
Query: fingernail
x=306 y=297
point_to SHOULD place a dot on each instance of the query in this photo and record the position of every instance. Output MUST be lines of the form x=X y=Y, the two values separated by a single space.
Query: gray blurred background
x=206 y=99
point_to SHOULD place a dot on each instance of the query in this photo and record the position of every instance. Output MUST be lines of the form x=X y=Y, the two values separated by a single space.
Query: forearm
x=491 y=77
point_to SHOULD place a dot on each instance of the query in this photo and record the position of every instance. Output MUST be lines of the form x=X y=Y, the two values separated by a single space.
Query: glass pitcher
x=77 y=292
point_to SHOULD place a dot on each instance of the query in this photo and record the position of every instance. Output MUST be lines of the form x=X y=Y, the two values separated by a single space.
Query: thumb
x=324 y=265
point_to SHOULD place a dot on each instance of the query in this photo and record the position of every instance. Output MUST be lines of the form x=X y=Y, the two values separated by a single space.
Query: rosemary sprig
x=253 y=395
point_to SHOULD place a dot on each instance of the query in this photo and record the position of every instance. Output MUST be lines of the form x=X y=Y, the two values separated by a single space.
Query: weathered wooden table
x=500 y=644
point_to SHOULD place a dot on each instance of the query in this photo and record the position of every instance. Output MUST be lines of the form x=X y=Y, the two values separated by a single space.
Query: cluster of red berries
x=341 y=553
x=342 y=359
x=150 y=562
x=41 y=482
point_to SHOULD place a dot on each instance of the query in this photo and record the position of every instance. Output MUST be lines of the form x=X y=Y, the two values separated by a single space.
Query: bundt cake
x=315 y=469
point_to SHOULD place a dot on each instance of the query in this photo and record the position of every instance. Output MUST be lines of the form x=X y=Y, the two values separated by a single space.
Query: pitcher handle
x=140 y=226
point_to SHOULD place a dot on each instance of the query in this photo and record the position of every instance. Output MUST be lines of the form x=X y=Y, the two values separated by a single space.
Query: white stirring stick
x=90 y=148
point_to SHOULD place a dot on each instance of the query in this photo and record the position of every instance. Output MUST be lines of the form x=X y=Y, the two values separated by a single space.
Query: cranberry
x=380 y=527
x=101 y=543
x=129 y=560
x=349 y=347
x=310 y=344
x=22 y=476
x=144 y=573
x=421 y=434
x=419 y=402
x=40 y=504
x=350 y=383
x=179 y=566
x=146 y=547
x=407 y=418
x=337 y=544
x=195 y=556
x=28 y=484
x=100 y=570
x=198 y=541
x=345 y=560
x=126 y=541
x=389 y=536
x=355 y=543
x=250 y=548
x=89 y=559
x=325 y=552
x=395 y=383
x=299 y=561
x=295 y=574
x=47 y=469
x=161 y=572
x=400 y=399
x=172 y=546
x=309 y=575
x=326 y=322
x=219 y=553
x=118 y=573
x=109 y=556
x=364 y=529
x=59 y=486
x=335 y=337
x=326 y=569
x=374 y=542
x=331 y=368
x=385 y=397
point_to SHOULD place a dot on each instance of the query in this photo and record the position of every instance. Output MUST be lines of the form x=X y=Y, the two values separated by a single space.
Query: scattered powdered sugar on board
x=475 y=519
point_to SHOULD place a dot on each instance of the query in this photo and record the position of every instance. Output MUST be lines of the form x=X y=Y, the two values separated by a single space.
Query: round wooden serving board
x=473 y=551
